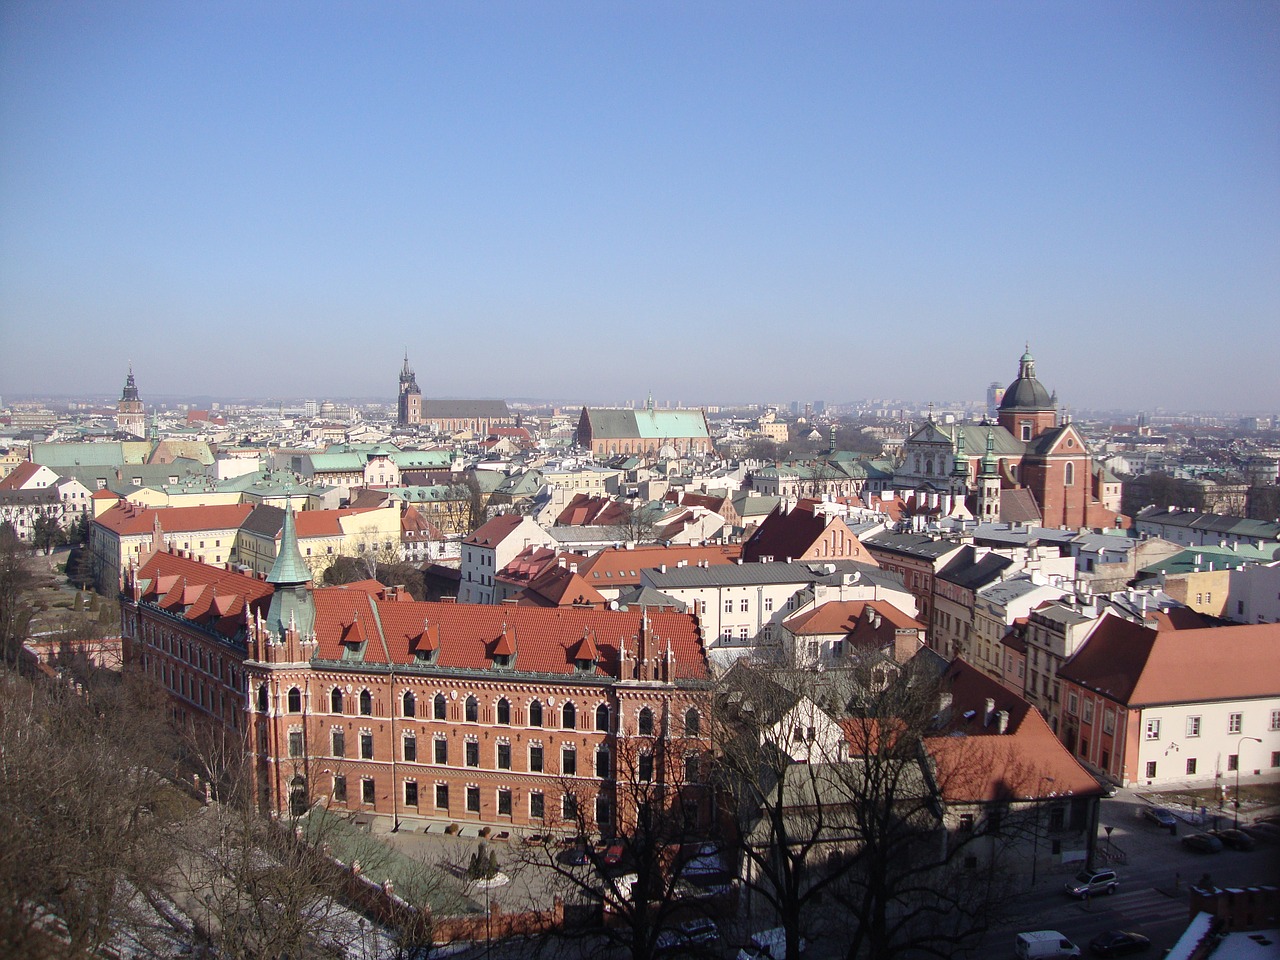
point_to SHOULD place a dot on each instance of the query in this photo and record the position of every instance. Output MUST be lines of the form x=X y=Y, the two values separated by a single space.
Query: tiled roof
x=616 y=566
x=205 y=594
x=975 y=763
x=127 y=519
x=1138 y=667
x=468 y=633
x=558 y=586
x=19 y=475
x=840 y=616
x=495 y=531
x=789 y=533
x=646 y=424
x=465 y=410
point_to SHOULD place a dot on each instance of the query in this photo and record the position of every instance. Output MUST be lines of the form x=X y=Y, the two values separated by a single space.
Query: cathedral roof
x=1026 y=392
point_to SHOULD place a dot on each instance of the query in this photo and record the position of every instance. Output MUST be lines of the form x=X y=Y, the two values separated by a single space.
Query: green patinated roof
x=421 y=459
x=646 y=424
x=113 y=454
x=337 y=461
x=289 y=567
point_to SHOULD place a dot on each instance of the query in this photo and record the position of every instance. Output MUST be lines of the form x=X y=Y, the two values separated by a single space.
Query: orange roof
x=975 y=763
x=617 y=566
x=495 y=531
x=127 y=519
x=202 y=593
x=468 y=633
x=841 y=616
x=560 y=586
x=19 y=475
x=323 y=523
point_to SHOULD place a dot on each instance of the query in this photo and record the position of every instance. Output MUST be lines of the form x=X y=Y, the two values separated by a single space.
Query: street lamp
x=1239 y=743
x=1035 y=829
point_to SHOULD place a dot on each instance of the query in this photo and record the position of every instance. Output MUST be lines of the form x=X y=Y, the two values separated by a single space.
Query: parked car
x=613 y=853
x=1162 y=816
x=576 y=857
x=700 y=931
x=1118 y=943
x=769 y=945
x=1090 y=883
x=1235 y=839
x=1044 y=945
x=1109 y=789
x=1261 y=830
x=1202 y=843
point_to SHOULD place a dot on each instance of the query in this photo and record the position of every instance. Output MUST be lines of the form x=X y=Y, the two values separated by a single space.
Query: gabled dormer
x=584 y=654
x=353 y=641
x=425 y=647
x=504 y=649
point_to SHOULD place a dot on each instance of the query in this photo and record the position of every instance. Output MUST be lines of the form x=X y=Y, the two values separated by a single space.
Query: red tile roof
x=616 y=566
x=975 y=763
x=467 y=633
x=558 y=586
x=19 y=475
x=205 y=594
x=127 y=519
x=792 y=533
x=495 y=531
x=1137 y=666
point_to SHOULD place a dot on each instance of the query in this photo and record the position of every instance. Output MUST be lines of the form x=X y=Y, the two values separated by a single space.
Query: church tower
x=409 y=408
x=989 y=483
x=131 y=418
x=1027 y=410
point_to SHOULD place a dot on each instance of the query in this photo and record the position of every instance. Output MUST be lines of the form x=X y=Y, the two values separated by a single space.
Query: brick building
x=359 y=697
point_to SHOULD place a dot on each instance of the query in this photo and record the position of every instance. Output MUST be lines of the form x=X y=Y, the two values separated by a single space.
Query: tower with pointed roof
x=131 y=417
x=292 y=613
x=989 y=483
x=409 y=407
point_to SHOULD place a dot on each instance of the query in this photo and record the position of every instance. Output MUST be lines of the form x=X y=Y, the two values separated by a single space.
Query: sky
x=713 y=202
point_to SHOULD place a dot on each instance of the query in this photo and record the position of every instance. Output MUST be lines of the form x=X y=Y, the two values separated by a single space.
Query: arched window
x=1069 y=475
x=602 y=718
x=692 y=722
x=473 y=710
x=410 y=704
x=440 y=709
x=535 y=713
x=262 y=698
x=645 y=722
x=335 y=700
x=504 y=711
x=366 y=703
x=295 y=700
x=569 y=716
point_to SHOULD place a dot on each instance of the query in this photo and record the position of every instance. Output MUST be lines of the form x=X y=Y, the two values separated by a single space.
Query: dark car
x=1118 y=943
x=1109 y=789
x=1235 y=839
x=1160 y=815
x=576 y=857
x=700 y=932
x=1202 y=843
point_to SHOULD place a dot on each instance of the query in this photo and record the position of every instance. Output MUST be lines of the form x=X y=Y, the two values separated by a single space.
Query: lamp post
x=1239 y=743
x=1035 y=829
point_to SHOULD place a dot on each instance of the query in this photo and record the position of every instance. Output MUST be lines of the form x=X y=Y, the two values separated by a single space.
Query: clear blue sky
x=713 y=201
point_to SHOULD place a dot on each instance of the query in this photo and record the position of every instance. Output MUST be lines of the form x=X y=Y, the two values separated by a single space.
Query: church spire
x=291 y=605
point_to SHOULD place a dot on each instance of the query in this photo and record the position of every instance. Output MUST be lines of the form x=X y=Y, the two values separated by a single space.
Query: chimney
x=1002 y=721
x=989 y=712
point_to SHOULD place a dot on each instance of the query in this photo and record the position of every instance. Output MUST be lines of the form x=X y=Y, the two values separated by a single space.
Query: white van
x=1044 y=945
x=768 y=945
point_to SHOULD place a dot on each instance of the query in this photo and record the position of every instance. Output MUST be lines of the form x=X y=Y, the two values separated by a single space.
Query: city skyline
x=709 y=203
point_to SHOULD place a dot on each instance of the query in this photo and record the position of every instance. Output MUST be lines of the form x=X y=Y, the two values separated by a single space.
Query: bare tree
x=15 y=584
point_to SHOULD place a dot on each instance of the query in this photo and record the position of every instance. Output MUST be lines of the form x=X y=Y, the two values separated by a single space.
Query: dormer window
x=354 y=652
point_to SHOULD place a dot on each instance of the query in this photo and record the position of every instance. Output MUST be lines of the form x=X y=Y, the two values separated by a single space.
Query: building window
x=410 y=749
x=504 y=802
x=1235 y=722
x=472 y=710
x=442 y=796
x=569 y=716
x=472 y=753
x=473 y=799
x=602 y=718
x=535 y=713
x=410 y=704
x=1108 y=721
x=366 y=790
x=366 y=703
x=569 y=761
x=691 y=768
x=410 y=793
x=569 y=807
x=366 y=746
x=1088 y=701
x=537 y=810
x=743 y=605
x=1193 y=726
x=295 y=700
x=339 y=743
x=504 y=711
x=602 y=763
x=1191 y=766
x=1275 y=719
x=1153 y=729
x=1275 y=758
x=295 y=743
x=441 y=750
x=1151 y=769
x=604 y=813
x=335 y=701
x=692 y=723
x=1233 y=761
x=768 y=604
x=728 y=605
x=1073 y=704
x=1069 y=475
x=645 y=722
x=339 y=788
x=439 y=707
x=504 y=756
x=645 y=767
